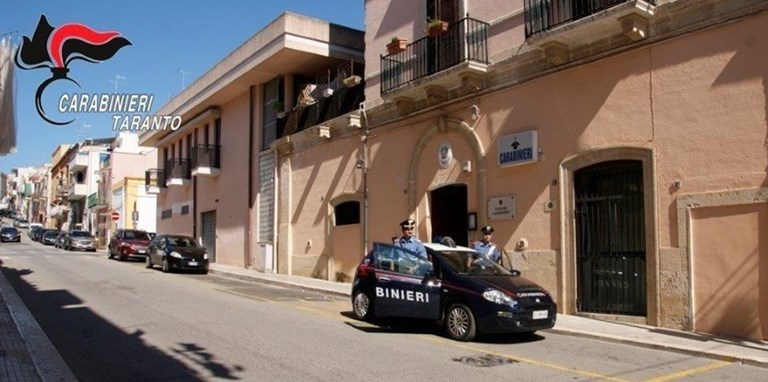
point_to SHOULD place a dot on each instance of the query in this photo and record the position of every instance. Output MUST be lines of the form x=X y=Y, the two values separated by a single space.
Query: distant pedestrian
x=408 y=241
x=486 y=246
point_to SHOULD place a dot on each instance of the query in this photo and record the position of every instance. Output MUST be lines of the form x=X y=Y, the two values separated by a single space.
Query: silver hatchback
x=80 y=240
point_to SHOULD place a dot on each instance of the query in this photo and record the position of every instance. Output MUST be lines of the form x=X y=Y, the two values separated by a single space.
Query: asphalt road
x=117 y=321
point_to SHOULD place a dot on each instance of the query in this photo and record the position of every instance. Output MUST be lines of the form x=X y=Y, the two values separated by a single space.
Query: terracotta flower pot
x=397 y=46
x=436 y=28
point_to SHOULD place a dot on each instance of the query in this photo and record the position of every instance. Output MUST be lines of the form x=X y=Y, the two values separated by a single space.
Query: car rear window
x=80 y=234
x=136 y=235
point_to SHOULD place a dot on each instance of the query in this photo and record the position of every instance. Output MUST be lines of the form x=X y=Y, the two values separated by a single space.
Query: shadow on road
x=96 y=350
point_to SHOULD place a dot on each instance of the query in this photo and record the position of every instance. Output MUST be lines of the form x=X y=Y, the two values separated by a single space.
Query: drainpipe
x=364 y=164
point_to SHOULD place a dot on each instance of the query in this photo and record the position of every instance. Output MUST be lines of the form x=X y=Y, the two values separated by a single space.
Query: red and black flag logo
x=55 y=48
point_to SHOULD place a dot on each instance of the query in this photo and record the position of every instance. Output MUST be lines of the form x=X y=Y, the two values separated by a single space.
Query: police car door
x=401 y=289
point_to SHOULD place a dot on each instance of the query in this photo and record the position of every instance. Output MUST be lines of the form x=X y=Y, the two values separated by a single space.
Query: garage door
x=209 y=233
x=730 y=269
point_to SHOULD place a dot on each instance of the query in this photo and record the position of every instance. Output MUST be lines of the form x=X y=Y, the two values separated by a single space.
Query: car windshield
x=136 y=235
x=182 y=241
x=80 y=234
x=472 y=263
x=8 y=229
x=51 y=233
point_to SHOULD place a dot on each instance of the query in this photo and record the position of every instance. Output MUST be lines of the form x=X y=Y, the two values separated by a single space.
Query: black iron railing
x=178 y=168
x=206 y=156
x=542 y=15
x=344 y=100
x=465 y=40
x=154 y=177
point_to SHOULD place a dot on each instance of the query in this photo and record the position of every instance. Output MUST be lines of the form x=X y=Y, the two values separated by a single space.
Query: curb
x=656 y=346
x=276 y=282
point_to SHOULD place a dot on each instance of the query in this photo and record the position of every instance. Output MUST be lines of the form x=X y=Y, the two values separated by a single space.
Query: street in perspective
x=118 y=321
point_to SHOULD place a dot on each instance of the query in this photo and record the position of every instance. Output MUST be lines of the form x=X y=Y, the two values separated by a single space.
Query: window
x=166 y=214
x=347 y=213
x=185 y=210
x=396 y=259
x=273 y=97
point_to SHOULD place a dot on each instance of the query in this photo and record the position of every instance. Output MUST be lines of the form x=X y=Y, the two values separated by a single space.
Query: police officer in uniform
x=408 y=241
x=486 y=246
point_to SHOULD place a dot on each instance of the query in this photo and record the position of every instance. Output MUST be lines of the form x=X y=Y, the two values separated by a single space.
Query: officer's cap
x=486 y=230
x=408 y=224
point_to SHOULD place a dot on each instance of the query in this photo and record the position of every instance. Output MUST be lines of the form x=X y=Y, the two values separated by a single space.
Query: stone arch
x=447 y=124
x=569 y=166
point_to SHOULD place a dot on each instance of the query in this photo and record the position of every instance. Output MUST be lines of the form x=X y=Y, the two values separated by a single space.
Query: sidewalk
x=722 y=348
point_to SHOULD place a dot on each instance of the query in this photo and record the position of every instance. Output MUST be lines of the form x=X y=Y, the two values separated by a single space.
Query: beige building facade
x=618 y=152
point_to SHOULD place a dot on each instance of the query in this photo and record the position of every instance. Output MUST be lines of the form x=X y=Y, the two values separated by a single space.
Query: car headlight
x=175 y=254
x=499 y=297
x=205 y=256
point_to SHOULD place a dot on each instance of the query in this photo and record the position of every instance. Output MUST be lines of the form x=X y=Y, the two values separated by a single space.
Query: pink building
x=617 y=147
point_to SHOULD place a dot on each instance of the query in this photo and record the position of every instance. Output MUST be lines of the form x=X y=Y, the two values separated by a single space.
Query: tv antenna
x=183 y=77
x=116 y=81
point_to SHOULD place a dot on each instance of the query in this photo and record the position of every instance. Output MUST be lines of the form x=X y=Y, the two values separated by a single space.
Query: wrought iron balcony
x=154 y=180
x=177 y=172
x=205 y=160
x=543 y=15
x=464 y=41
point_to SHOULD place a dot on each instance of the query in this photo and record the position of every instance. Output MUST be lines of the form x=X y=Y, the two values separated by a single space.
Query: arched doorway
x=610 y=238
x=448 y=211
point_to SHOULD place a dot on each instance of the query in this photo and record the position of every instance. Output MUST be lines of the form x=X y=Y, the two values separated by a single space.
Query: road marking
x=262 y=299
x=689 y=372
x=528 y=360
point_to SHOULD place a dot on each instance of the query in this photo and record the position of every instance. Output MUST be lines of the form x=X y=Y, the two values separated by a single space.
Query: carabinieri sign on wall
x=520 y=148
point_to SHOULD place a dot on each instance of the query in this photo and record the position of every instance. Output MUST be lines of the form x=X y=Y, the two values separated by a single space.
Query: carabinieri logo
x=55 y=48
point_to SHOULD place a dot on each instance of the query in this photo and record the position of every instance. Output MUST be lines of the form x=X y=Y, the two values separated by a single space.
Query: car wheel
x=166 y=267
x=110 y=255
x=460 y=323
x=121 y=256
x=362 y=307
x=148 y=264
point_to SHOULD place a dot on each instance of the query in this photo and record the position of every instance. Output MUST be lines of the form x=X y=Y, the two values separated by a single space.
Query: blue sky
x=173 y=43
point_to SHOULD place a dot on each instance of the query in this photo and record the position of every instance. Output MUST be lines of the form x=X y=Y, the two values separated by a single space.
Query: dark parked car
x=10 y=234
x=49 y=237
x=126 y=243
x=465 y=291
x=79 y=240
x=33 y=232
x=177 y=252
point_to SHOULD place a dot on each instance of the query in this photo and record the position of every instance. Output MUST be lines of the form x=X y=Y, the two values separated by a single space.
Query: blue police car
x=460 y=288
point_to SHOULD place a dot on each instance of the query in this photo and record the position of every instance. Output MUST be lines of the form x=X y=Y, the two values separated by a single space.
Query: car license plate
x=193 y=263
x=540 y=314
x=142 y=252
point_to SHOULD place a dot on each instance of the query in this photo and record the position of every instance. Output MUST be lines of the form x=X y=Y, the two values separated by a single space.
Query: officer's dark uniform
x=409 y=241
x=488 y=249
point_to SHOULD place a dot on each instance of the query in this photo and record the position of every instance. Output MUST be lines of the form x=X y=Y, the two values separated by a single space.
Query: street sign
x=115 y=215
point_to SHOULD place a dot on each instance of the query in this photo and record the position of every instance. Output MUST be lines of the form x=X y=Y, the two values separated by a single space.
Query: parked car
x=21 y=223
x=32 y=231
x=177 y=252
x=59 y=242
x=38 y=235
x=464 y=290
x=49 y=237
x=10 y=234
x=79 y=240
x=127 y=243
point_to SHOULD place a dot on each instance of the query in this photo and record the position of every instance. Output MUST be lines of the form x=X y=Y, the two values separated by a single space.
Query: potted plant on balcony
x=397 y=45
x=278 y=108
x=435 y=27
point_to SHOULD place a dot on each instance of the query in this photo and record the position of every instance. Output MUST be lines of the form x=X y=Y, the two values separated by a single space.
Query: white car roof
x=442 y=247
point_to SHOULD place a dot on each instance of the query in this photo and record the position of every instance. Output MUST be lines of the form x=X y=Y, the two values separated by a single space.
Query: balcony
x=77 y=191
x=96 y=201
x=205 y=160
x=561 y=26
x=342 y=101
x=177 y=172
x=154 y=180
x=79 y=162
x=457 y=57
